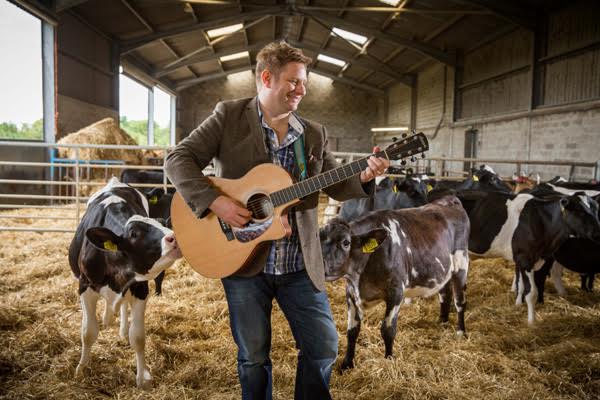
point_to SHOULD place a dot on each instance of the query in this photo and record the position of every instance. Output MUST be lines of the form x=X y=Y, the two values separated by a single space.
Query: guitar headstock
x=407 y=147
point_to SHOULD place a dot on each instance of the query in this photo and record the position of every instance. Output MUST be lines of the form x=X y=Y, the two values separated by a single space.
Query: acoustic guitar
x=216 y=250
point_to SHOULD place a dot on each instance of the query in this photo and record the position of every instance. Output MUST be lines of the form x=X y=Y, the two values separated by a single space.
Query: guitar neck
x=407 y=147
x=318 y=182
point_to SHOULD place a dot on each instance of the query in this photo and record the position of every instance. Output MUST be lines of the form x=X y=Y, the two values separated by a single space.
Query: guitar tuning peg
x=423 y=155
x=413 y=159
x=404 y=135
x=414 y=131
x=394 y=139
x=403 y=162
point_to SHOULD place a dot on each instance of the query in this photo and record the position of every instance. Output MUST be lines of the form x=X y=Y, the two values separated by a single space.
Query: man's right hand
x=230 y=211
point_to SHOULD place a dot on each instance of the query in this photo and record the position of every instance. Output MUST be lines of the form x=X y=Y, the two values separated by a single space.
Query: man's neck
x=272 y=117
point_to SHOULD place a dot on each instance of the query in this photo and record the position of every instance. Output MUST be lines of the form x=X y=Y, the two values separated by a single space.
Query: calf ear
x=154 y=195
x=104 y=239
x=370 y=241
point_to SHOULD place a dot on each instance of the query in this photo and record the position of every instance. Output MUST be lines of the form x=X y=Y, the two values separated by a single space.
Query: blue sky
x=21 y=74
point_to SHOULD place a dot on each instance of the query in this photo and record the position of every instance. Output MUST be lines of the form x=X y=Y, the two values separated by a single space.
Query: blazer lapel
x=256 y=130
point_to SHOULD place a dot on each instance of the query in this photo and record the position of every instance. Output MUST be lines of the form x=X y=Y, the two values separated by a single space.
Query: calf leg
x=390 y=322
x=556 y=273
x=587 y=282
x=530 y=293
x=444 y=296
x=354 y=318
x=158 y=283
x=137 y=340
x=459 y=286
x=110 y=297
x=89 y=326
x=123 y=321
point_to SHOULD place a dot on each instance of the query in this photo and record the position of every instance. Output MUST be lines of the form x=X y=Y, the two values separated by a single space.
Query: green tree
x=138 y=130
x=34 y=131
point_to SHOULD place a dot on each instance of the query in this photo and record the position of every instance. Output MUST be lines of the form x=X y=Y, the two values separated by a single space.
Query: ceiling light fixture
x=390 y=129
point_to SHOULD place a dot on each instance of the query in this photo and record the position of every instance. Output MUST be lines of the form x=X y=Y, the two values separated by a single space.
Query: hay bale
x=105 y=131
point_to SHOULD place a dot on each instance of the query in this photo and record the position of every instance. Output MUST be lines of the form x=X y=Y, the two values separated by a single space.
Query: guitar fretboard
x=318 y=182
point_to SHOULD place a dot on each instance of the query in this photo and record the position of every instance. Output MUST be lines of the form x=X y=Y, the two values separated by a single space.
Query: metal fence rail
x=74 y=202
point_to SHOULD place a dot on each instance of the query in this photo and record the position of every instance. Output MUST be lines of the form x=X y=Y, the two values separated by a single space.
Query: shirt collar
x=295 y=122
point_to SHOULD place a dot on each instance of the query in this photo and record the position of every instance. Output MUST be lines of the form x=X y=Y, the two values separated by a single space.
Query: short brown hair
x=275 y=55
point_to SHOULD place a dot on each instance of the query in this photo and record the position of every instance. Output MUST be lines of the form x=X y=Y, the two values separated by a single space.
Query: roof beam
x=350 y=82
x=516 y=13
x=421 y=47
x=140 y=18
x=344 y=9
x=360 y=62
x=128 y=46
x=209 y=77
x=62 y=5
x=218 y=54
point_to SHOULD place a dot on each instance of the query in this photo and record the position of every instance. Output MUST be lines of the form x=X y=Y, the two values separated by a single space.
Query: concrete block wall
x=347 y=113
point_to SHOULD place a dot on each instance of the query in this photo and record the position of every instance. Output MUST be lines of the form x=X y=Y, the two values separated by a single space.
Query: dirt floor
x=191 y=353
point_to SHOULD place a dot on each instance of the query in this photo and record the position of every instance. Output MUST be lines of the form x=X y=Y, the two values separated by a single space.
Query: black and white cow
x=390 y=194
x=527 y=230
x=389 y=255
x=484 y=179
x=576 y=254
x=117 y=248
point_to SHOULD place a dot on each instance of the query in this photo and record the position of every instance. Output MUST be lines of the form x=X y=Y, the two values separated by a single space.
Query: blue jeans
x=307 y=310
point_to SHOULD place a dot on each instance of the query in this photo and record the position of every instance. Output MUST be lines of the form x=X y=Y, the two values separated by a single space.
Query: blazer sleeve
x=185 y=163
x=349 y=188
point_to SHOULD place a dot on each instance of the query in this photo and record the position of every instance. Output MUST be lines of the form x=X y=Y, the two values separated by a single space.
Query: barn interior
x=512 y=84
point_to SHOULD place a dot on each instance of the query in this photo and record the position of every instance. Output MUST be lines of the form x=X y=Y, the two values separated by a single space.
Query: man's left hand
x=377 y=166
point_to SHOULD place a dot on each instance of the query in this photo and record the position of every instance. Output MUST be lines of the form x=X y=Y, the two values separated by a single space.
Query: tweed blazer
x=233 y=138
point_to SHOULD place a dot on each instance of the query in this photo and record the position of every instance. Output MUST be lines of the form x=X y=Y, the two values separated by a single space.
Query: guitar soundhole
x=260 y=206
x=262 y=212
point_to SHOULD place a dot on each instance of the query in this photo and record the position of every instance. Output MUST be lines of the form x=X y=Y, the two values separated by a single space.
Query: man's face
x=287 y=89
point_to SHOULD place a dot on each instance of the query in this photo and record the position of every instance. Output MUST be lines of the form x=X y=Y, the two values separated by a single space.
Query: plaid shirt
x=285 y=255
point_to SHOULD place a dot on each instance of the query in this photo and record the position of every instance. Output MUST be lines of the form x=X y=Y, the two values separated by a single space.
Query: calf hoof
x=461 y=334
x=144 y=382
x=346 y=364
x=79 y=371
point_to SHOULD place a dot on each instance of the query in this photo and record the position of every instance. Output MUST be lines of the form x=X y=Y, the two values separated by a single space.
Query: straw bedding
x=192 y=356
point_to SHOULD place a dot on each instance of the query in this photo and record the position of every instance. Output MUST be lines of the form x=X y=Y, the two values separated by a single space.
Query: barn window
x=139 y=104
x=26 y=76
x=391 y=2
x=331 y=60
x=354 y=37
x=213 y=33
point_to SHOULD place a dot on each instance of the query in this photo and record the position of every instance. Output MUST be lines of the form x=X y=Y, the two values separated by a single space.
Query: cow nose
x=170 y=238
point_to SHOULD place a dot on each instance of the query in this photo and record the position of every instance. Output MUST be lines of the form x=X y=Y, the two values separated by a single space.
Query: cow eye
x=346 y=243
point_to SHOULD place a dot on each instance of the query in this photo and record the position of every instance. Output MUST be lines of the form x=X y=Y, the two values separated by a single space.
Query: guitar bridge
x=226 y=228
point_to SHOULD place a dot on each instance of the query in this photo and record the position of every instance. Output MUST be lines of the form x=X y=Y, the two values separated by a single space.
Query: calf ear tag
x=394 y=189
x=475 y=178
x=370 y=246
x=429 y=188
x=153 y=200
x=109 y=245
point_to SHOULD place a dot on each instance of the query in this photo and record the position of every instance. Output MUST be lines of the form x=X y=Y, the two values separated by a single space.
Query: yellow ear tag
x=475 y=178
x=394 y=189
x=429 y=188
x=370 y=246
x=153 y=200
x=109 y=245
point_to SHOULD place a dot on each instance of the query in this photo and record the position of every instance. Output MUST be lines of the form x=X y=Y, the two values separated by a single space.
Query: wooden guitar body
x=203 y=242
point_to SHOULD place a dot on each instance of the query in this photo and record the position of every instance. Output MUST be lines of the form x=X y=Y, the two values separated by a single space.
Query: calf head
x=580 y=214
x=344 y=252
x=159 y=203
x=413 y=187
x=488 y=179
x=145 y=249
